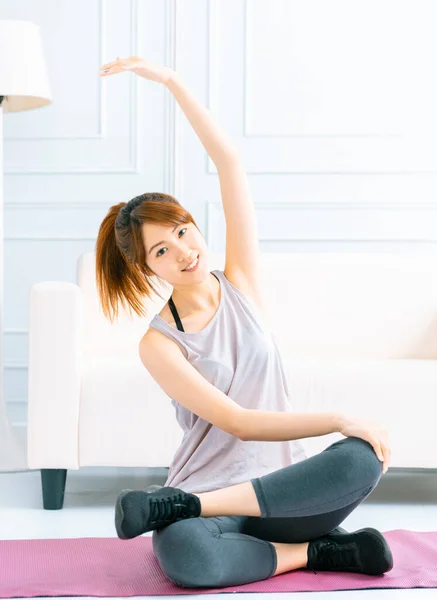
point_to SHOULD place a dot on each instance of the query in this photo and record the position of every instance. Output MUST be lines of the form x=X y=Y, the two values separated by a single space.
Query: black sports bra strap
x=174 y=312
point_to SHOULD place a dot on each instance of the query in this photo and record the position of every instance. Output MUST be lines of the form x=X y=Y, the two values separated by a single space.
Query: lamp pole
x=24 y=85
x=12 y=452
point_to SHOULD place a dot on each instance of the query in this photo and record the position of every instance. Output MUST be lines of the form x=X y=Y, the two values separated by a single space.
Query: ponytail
x=118 y=280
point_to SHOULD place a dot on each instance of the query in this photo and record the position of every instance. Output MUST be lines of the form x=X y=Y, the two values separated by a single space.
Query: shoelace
x=166 y=509
x=339 y=556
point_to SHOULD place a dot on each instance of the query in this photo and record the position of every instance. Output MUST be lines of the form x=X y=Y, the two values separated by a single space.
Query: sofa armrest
x=56 y=323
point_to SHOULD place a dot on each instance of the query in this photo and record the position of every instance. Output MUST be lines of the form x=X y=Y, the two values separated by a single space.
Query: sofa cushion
x=125 y=417
x=399 y=394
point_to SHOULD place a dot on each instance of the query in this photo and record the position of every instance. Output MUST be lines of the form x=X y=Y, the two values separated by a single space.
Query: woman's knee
x=185 y=552
x=358 y=461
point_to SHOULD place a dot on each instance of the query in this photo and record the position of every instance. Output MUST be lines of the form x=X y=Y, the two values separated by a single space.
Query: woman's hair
x=122 y=274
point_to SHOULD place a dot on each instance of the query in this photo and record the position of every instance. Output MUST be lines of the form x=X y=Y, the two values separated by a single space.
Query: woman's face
x=169 y=249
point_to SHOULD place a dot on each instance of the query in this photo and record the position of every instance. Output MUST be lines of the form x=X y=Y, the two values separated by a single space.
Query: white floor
x=403 y=500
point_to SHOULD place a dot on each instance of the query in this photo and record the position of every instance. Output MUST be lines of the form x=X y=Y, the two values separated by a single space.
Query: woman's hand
x=139 y=66
x=376 y=435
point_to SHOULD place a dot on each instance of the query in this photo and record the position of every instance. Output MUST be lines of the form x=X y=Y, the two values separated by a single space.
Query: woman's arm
x=261 y=425
x=242 y=249
x=215 y=141
x=165 y=362
x=273 y=426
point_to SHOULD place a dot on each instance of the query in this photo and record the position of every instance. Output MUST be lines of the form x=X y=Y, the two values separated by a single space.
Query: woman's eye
x=180 y=231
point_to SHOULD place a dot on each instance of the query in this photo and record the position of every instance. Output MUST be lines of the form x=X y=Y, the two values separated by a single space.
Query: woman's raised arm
x=242 y=249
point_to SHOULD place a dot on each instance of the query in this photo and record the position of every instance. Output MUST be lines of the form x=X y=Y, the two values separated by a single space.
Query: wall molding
x=171 y=115
x=102 y=15
x=343 y=205
x=15 y=331
x=291 y=204
x=51 y=206
x=44 y=205
x=213 y=38
x=246 y=126
x=73 y=171
x=213 y=87
x=133 y=152
x=394 y=228
x=213 y=171
x=17 y=401
x=50 y=238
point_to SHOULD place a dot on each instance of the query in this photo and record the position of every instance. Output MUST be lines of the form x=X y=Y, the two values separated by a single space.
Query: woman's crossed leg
x=276 y=523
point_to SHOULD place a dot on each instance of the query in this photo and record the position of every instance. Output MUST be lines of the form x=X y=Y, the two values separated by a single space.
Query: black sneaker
x=137 y=512
x=363 y=551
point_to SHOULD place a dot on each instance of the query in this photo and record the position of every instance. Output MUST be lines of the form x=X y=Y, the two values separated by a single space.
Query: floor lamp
x=24 y=85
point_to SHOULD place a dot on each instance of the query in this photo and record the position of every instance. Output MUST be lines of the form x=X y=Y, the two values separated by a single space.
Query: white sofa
x=357 y=334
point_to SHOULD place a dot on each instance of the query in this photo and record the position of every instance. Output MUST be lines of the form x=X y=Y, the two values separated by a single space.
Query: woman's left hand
x=375 y=434
x=139 y=66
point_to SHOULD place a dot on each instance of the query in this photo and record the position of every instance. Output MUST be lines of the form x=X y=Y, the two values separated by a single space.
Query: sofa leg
x=53 y=488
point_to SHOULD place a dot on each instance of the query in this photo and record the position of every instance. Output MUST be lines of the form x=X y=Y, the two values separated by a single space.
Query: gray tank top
x=236 y=354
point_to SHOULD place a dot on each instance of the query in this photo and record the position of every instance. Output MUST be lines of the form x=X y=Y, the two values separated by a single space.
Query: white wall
x=332 y=104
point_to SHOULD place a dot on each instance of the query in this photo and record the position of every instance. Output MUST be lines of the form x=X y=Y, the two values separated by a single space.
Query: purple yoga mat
x=113 y=567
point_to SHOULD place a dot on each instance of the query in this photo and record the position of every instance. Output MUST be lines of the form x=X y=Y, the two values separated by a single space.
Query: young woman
x=242 y=502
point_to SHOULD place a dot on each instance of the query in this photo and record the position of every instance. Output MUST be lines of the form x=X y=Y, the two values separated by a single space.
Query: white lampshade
x=23 y=74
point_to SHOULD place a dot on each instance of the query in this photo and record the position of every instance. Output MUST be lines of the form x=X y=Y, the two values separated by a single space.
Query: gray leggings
x=298 y=503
